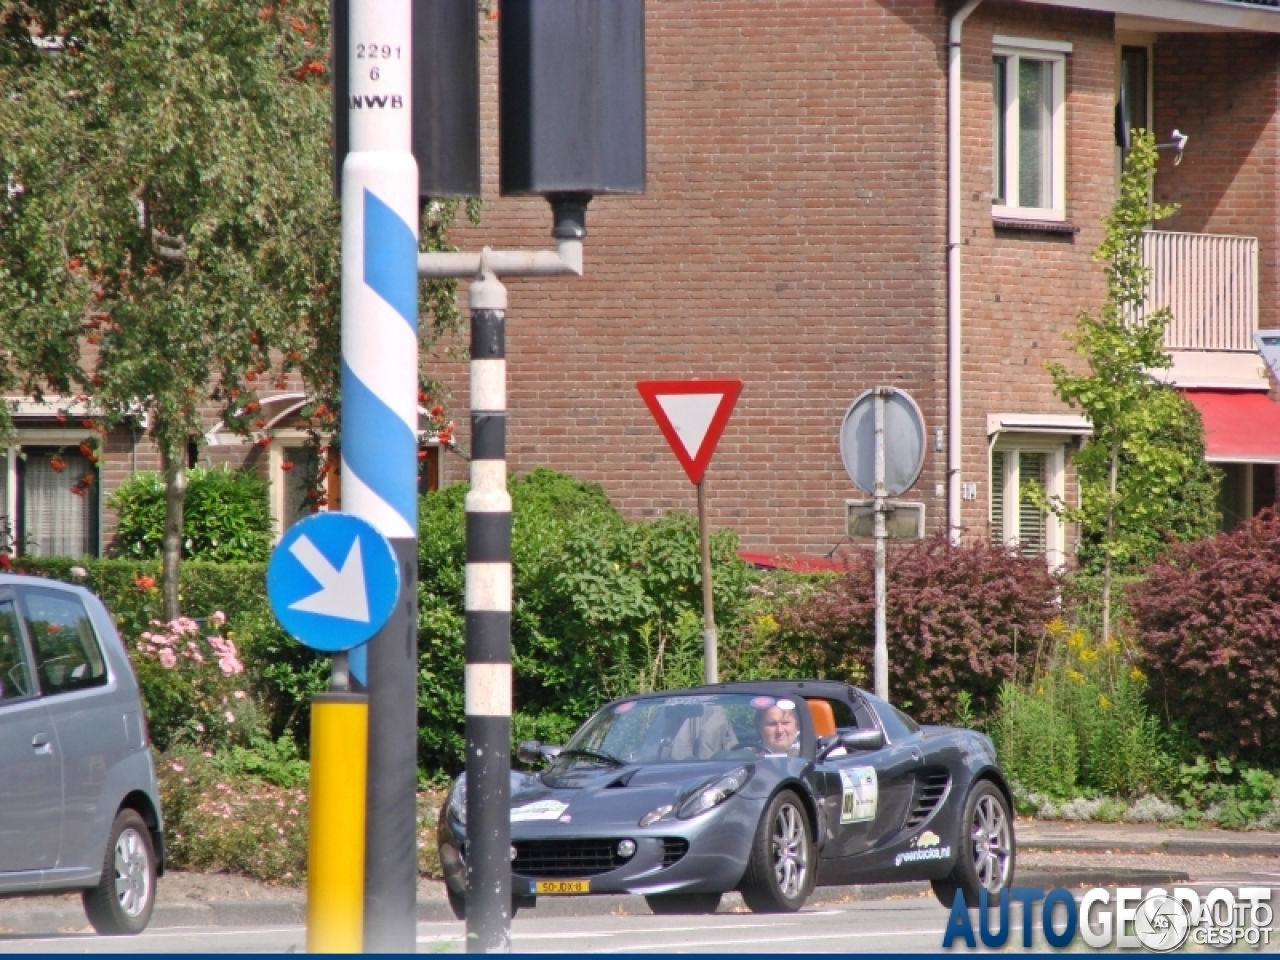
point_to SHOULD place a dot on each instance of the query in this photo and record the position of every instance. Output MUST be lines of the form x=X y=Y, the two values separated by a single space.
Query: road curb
x=29 y=920
x=1176 y=847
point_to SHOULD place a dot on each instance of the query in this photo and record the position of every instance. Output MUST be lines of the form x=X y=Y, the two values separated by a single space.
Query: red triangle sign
x=692 y=414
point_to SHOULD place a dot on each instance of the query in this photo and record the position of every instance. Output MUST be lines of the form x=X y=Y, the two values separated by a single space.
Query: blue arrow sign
x=333 y=581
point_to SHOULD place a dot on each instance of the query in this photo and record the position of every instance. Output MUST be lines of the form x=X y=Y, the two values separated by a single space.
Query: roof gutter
x=954 y=421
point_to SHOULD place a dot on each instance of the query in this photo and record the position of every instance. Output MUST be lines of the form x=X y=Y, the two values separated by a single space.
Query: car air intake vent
x=929 y=793
x=565 y=858
x=673 y=848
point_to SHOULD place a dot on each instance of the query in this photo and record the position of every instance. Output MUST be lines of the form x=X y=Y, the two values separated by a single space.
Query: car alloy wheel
x=780 y=875
x=990 y=843
x=790 y=851
x=122 y=901
x=988 y=849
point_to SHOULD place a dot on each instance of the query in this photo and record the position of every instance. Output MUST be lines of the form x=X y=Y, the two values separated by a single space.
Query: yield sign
x=692 y=414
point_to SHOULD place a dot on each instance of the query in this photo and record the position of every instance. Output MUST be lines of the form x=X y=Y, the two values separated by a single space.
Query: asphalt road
x=914 y=924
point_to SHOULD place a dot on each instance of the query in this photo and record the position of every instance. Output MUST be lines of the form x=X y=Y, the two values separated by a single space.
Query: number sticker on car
x=861 y=791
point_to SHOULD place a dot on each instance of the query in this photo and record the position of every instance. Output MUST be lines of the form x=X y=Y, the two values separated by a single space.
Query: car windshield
x=676 y=728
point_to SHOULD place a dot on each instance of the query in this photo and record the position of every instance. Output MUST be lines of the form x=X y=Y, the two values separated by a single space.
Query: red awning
x=1239 y=426
x=795 y=562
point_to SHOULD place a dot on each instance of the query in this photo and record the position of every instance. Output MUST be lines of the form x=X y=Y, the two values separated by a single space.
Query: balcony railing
x=1210 y=284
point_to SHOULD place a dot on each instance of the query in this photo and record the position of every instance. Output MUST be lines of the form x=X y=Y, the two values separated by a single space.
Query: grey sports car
x=769 y=788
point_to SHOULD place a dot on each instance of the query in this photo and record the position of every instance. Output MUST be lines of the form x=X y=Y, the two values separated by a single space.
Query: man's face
x=778 y=729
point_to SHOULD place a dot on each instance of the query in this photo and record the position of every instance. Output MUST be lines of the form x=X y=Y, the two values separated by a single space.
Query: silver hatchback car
x=79 y=805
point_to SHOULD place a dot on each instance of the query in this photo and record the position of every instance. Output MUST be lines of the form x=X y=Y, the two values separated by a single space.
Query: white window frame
x=1053 y=52
x=43 y=437
x=277 y=480
x=1013 y=445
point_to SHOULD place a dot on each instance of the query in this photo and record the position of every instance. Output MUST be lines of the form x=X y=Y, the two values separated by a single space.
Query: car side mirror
x=529 y=751
x=862 y=740
x=532 y=751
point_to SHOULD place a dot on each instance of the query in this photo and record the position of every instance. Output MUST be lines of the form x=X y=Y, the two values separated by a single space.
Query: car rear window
x=68 y=656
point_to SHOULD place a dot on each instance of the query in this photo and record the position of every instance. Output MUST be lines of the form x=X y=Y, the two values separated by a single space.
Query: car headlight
x=458 y=802
x=714 y=793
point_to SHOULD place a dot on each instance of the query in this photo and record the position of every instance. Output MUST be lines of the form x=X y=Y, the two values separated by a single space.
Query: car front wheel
x=780 y=874
x=121 y=903
x=987 y=848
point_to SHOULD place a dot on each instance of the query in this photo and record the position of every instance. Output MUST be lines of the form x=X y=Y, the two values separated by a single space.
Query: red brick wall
x=792 y=235
x=1022 y=290
x=1222 y=90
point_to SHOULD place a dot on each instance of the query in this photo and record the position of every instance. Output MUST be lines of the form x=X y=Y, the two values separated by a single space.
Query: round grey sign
x=904 y=439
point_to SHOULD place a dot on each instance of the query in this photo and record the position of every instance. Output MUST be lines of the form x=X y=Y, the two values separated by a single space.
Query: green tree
x=1144 y=482
x=169 y=239
x=169 y=230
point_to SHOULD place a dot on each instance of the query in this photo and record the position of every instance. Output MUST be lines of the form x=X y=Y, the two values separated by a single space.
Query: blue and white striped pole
x=379 y=435
x=488 y=613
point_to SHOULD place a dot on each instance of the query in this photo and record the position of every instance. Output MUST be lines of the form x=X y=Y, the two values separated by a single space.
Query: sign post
x=379 y=434
x=692 y=415
x=333 y=581
x=882 y=445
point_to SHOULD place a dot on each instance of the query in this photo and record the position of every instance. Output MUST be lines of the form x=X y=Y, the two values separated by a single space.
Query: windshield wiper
x=594 y=755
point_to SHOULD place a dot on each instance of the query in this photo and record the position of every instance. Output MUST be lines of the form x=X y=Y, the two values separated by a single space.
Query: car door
x=875 y=786
x=87 y=713
x=30 y=763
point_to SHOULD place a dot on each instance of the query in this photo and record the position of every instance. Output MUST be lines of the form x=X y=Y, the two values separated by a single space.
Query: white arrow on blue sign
x=333 y=581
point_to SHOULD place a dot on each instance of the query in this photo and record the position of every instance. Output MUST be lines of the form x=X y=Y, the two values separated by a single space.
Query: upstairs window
x=1029 y=129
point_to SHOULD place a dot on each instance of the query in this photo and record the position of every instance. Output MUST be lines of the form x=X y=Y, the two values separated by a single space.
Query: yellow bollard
x=335 y=845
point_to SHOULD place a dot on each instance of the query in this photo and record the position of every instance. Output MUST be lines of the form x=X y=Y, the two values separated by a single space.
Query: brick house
x=797 y=233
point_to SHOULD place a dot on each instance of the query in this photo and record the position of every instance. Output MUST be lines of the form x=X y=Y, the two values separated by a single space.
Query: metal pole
x=710 y=655
x=379 y=438
x=488 y=615
x=881 y=534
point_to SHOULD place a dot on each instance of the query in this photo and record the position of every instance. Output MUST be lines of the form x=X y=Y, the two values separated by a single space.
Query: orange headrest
x=824 y=718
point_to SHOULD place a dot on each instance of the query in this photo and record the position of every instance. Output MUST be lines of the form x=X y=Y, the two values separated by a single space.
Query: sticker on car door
x=861 y=790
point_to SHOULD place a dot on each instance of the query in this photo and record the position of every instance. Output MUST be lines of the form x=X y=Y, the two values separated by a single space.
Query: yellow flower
x=1056 y=627
x=1075 y=676
x=1088 y=656
x=1103 y=702
x=1040 y=690
x=766 y=623
x=1113 y=645
x=1077 y=640
x=1136 y=675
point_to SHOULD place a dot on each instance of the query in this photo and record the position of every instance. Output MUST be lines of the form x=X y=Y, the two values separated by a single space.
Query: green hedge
x=226 y=516
x=603 y=607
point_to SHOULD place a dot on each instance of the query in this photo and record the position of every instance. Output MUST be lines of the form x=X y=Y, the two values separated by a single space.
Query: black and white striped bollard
x=488 y=613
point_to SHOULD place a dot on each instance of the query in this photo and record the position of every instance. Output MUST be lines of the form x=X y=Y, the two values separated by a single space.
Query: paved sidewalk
x=1058 y=835
x=202 y=900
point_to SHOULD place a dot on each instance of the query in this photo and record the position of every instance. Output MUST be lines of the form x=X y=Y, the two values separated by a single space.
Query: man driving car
x=778 y=728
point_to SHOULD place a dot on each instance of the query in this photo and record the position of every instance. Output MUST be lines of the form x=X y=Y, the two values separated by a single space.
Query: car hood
x=604 y=797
